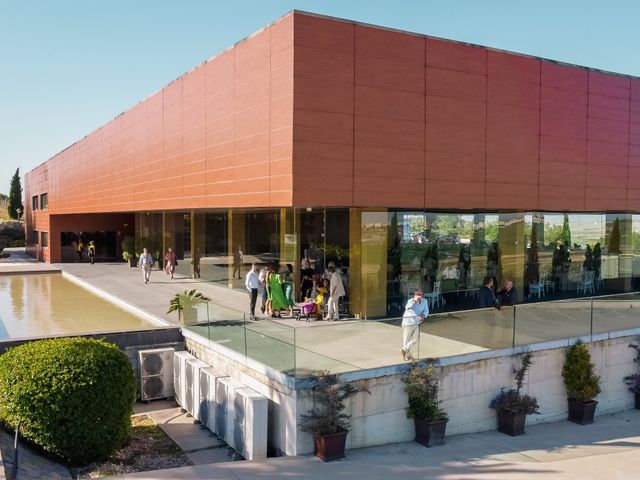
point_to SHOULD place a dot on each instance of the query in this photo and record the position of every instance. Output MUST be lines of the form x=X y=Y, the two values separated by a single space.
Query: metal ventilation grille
x=152 y=364
x=153 y=387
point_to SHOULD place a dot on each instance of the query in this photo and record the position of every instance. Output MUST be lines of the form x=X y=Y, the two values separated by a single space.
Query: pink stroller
x=306 y=309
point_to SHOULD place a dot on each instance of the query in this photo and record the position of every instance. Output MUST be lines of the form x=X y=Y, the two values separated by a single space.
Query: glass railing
x=300 y=349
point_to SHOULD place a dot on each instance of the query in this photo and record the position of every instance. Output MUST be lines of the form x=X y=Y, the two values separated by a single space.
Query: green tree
x=565 y=236
x=15 y=196
x=614 y=238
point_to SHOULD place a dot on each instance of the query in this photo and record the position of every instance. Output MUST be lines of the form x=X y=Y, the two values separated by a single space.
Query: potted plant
x=581 y=382
x=184 y=303
x=633 y=381
x=424 y=406
x=128 y=250
x=513 y=406
x=327 y=420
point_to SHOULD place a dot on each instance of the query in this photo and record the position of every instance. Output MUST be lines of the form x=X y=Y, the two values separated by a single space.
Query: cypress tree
x=15 y=196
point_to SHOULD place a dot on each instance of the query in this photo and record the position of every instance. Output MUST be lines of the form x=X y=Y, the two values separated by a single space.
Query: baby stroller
x=307 y=310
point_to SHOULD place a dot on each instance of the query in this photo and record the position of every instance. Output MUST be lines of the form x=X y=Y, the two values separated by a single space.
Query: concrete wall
x=468 y=387
x=468 y=384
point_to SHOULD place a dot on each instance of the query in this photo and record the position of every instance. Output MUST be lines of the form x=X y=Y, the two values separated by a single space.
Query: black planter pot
x=581 y=412
x=430 y=433
x=637 y=400
x=133 y=262
x=330 y=446
x=511 y=423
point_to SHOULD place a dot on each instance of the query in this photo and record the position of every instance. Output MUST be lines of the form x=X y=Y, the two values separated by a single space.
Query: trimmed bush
x=73 y=397
x=579 y=375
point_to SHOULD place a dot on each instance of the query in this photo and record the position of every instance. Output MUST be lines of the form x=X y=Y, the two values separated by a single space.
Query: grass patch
x=149 y=448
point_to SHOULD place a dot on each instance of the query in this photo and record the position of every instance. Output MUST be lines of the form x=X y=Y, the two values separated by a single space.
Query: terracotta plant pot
x=330 y=446
x=430 y=433
x=581 y=412
x=511 y=423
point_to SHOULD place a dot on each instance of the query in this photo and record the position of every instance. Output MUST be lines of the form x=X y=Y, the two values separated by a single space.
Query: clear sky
x=69 y=66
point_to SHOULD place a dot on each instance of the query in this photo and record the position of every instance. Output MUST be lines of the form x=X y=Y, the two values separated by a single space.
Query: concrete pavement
x=607 y=449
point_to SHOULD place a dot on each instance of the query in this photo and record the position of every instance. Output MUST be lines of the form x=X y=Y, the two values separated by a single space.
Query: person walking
x=92 y=251
x=79 y=248
x=336 y=290
x=145 y=263
x=415 y=312
x=238 y=258
x=195 y=262
x=252 y=282
x=171 y=261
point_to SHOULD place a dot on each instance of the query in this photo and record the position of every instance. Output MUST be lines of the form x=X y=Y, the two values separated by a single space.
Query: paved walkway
x=607 y=449
x=32 y=466
x=19 y=262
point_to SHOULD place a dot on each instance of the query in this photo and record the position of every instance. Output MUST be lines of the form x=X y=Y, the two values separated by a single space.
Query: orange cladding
x=392 y=119
x=314 y=111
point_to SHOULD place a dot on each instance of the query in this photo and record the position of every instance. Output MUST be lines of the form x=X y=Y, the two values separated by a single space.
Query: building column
x=512 y=250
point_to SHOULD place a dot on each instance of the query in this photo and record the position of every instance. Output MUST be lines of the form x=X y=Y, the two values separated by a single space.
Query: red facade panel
x=315 y=111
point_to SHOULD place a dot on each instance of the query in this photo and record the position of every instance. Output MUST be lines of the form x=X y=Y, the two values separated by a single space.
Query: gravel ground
x=149 y=449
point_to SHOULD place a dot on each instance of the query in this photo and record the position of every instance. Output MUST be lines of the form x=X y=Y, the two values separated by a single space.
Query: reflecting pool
x=48 y=304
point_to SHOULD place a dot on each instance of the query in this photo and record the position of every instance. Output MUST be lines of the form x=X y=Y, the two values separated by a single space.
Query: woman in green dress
x=288 y=288
x=278 y=301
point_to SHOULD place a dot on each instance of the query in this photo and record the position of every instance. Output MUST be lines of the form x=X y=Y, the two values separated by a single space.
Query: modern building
x=407 y=160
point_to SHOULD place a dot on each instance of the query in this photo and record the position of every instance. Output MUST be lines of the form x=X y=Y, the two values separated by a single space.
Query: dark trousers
x=264 y=297
x=253 y=296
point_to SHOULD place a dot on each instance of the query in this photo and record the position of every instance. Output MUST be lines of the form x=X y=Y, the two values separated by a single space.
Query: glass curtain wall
x=384 y=255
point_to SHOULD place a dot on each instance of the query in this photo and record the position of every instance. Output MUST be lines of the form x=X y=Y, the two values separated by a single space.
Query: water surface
x=48 y=304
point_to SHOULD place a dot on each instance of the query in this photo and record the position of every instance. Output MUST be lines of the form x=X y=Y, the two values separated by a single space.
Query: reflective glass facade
x=384 y=255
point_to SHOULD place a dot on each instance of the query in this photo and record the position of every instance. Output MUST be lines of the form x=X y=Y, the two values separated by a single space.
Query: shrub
x=329 y=396
x=72 y=397
x=579 y=377
x=422 y=389
x=512 y=400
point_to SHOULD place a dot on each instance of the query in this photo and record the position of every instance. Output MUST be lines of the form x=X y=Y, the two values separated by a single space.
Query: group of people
x=78 y=246
x=506 y=296
x=276 y=286
x=145 y=263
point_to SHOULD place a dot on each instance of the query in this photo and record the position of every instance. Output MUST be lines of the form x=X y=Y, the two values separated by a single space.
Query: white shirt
x=251 y=280
x=146 y=259
x=336 y=285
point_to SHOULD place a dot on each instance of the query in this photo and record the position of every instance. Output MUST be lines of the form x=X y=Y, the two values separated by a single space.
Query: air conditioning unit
x=225 y=415
x=192 y=386
x=250 y=424
x=208 y=401
x=179 y=376
x=156 y=369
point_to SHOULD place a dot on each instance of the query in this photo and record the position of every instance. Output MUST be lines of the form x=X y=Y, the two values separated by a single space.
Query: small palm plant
x=184 y=301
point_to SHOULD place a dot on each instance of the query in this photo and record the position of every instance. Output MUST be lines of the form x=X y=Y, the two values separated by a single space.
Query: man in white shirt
x=252 y=282
x=416 y=310
x=145 y=262
x=336 y=290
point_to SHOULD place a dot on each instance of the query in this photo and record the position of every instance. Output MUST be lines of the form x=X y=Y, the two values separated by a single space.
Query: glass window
x=44 y=203
x=34 y=202
x=34 y=236
x=44 y=239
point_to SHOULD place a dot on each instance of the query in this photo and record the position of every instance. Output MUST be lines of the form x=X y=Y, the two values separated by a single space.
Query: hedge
x=73 y=397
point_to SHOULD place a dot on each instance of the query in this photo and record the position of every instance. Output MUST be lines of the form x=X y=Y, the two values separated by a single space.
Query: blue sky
x=69 y=66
